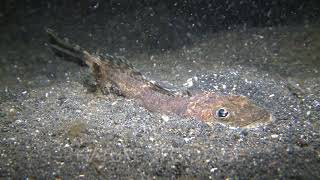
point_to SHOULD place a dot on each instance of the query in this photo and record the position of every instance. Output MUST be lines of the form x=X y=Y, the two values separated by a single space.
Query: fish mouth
x=259 y=123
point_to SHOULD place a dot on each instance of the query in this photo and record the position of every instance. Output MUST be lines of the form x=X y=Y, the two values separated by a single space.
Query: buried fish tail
x=115 y=72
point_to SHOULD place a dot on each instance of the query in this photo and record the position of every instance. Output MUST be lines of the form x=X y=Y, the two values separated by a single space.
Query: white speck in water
x=46 y=95
x=96 y=5
x=224 y=86
x=122 y=49
x=271 y=95
x=24 y=92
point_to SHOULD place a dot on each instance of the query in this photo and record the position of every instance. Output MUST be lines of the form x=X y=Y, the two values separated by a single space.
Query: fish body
x=115 y=74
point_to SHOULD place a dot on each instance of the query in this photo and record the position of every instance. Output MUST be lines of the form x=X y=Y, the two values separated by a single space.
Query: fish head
x=239 y=111
x=232 y=110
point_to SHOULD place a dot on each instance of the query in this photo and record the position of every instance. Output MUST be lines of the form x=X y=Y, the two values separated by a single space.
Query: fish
x=115 y=74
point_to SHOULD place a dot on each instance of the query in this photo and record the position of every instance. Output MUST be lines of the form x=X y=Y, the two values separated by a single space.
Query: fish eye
x=222 y=113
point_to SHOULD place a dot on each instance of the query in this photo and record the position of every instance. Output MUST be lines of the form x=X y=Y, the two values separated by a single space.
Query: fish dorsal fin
x=121 y=63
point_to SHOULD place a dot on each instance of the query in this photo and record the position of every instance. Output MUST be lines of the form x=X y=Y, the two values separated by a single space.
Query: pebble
x=189 y=82
x=274 y=136
x=213 y=170
x=195 y=78
x=316 y=104
x=67 y=145
x=187 y=139
x=165 y=118
x=308 y=113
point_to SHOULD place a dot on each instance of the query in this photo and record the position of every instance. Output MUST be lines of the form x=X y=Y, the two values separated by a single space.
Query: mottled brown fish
x=116 y=74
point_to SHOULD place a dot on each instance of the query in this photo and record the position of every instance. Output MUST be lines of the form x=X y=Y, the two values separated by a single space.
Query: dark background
x=161 y=24
x=203 y=13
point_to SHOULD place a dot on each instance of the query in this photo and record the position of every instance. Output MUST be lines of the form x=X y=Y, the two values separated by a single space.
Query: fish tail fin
x=62 y=47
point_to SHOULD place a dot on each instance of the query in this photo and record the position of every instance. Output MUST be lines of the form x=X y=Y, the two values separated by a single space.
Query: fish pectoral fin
x=168 y=89
x=110 y=88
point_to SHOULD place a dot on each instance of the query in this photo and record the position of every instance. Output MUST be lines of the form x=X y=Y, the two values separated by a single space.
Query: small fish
x=115 y=74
